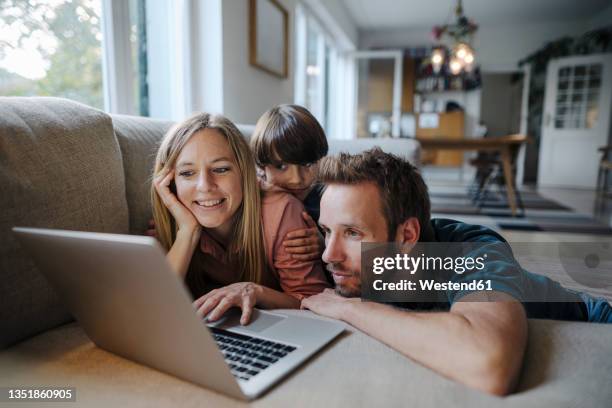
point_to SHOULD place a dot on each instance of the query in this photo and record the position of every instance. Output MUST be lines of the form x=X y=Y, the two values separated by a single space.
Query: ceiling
x=399 y=14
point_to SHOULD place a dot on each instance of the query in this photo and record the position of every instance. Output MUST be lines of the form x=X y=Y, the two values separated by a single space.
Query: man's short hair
x=402 y=189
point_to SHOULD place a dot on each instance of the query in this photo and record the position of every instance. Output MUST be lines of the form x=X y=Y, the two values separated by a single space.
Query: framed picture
x=268 y=36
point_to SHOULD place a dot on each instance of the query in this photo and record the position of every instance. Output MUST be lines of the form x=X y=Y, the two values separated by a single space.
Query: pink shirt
x=281 y=213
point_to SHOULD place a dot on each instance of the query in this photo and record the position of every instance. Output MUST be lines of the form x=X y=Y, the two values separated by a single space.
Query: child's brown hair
x=290 y=134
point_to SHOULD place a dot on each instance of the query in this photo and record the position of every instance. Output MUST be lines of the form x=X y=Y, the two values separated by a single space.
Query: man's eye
x=352 y=233
x=221 y=170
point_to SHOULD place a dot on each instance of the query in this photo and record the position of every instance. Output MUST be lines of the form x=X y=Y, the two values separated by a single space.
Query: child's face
x=297 y=179
x=208 y=180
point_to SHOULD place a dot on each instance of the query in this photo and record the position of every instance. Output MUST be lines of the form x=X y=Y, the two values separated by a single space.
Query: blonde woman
x=219 y=232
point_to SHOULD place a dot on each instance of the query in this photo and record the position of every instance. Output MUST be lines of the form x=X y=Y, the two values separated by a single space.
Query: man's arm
x=478 y=343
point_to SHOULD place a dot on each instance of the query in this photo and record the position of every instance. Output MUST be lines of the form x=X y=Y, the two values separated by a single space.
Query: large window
x=314 y=66
x=90 y=51
x=52 y=48
x=323 y=75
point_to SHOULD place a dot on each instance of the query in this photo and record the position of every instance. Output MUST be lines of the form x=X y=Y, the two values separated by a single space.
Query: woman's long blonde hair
x=247 y=243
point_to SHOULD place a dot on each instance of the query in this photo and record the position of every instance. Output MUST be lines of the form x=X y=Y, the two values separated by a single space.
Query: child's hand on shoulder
x=305 y=244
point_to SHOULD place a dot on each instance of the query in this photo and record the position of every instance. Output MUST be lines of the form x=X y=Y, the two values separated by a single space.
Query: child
x=287 y=143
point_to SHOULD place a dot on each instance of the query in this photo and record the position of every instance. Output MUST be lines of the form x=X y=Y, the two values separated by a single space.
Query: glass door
x=576 y=120
x=378 y=93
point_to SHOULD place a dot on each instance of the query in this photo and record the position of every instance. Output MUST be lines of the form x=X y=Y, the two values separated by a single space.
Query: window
x=138 y=48
x=90 y=51
x=324 y=73
x=124 y=62
x=52 y=48
x=577 y=104
x=315 y=64
x=315 y=71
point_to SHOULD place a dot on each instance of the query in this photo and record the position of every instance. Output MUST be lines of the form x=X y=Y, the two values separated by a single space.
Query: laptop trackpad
x=259 y=321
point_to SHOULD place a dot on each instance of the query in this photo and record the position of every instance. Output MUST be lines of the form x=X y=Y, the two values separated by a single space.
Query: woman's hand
x=305 y=244
x=185 y=220
x=218 y=301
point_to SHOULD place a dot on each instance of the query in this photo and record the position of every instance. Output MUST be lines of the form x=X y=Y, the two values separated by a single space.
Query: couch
x=65 y=165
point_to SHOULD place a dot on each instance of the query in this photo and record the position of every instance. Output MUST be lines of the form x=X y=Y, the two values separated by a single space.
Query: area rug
x=540 y=213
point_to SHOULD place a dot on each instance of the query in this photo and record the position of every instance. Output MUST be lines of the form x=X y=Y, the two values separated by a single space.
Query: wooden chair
x=605 y=165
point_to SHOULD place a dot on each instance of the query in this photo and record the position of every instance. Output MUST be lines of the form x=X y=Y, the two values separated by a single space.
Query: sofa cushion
x=567 y=364
x=139 y=138
x=60 y=167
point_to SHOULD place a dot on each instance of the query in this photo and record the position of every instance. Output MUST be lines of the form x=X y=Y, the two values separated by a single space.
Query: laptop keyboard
x=248 y=356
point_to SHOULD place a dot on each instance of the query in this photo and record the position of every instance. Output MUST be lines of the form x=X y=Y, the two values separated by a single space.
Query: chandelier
x=458 y=38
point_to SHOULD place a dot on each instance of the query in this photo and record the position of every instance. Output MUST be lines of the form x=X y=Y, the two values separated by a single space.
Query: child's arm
x=305 y=244
x=299 y=278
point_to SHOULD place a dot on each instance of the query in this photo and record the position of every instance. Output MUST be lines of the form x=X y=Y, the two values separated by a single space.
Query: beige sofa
x=65 y=165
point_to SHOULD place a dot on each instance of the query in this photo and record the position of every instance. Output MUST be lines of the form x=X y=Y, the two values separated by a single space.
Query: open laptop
x=129 y=302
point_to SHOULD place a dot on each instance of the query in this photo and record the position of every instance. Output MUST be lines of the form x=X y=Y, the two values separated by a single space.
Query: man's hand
x=328 y=303
x=305 y=244
x=218 y=301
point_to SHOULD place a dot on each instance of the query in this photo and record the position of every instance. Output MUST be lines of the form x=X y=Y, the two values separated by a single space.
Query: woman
x=218 y=231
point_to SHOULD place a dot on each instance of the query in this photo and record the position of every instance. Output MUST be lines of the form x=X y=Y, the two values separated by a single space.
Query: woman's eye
x=221 y=170
x=309 y=165
x=281 y=166
x=186 y=173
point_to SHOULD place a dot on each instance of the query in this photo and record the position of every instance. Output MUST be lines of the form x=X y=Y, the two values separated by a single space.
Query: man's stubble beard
x=347 y=290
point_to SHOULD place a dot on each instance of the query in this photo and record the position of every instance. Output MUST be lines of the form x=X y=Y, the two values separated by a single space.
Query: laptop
x=122 y=291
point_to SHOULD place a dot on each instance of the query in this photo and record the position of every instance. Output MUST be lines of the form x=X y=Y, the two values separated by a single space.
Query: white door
x=576 y=120
x=377 y=91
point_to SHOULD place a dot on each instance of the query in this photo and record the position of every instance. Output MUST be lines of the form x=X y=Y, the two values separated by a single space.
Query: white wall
x=498 y=48
x=337 y=20
x=199 y=58
x=247 y=91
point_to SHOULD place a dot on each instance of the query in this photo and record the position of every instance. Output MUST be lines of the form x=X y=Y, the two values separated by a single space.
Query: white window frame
x=341 y=73
x=182 y=34
x=117 y=66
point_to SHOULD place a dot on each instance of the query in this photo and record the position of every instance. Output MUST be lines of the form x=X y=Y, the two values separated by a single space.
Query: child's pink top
x=281 y=213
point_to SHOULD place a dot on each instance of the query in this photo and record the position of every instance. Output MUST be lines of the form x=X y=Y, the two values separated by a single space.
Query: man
x=378 y=197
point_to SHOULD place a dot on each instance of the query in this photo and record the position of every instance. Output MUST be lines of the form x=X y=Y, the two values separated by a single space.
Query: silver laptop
x=129 y=302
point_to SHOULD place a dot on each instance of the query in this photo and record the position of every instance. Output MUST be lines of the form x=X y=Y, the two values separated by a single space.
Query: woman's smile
x=210 y=204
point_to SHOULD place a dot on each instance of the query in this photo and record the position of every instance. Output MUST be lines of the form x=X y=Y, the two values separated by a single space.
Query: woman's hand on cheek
x=184 y=218
x=305 y=244
x=216 y=302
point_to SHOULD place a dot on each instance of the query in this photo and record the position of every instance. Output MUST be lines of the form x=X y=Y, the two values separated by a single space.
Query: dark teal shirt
x=534 y=291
